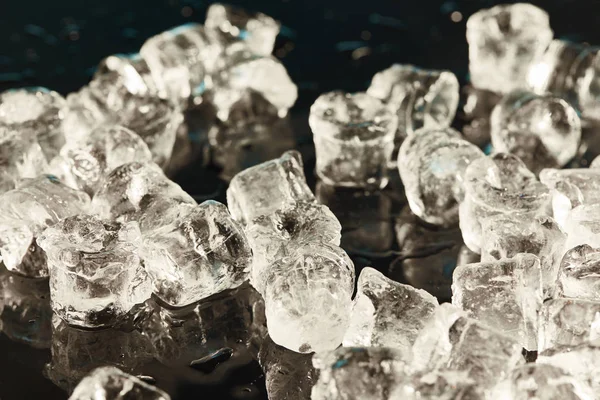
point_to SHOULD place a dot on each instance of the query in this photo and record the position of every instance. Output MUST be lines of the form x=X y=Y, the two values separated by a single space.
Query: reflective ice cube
x=354 y=139
x=579 y=273
x=440 y=385
x=129 y=72
x=503 y=43
x=582 y=226
x=568 y=322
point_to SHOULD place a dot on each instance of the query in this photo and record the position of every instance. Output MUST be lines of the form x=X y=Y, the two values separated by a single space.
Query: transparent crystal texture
x=504 y=41
x=568 y=322
x=24 y=214
x=129 y=72
x=439 y=385
x=369 y=373
x=541 y=381
x=422 y=98
x=506 y=295
x=570 y=188
x=277 y=235
x=579 y=273
x=96 y=275
x=583 y=226
x=84 y=164
x=265 y=188
x=110 y=383
x=21 y=157
x=354 y=139
x=543 y=130
x=38 y=112
x=432 y=164
x=499 y=184
x=308 y=298
x=139 y=191
x=202 y=253
x=569 y=70
x=451 y=341
x=387 y=313
x=476 y=110
x=505 y=237
x=232 y=24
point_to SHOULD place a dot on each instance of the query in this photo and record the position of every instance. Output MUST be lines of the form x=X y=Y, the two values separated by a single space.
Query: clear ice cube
x=354 y=139
x=568 y=322
x=579 y=273
x=129 y=72
x=504 y=41
x=439 y=385
x=582 y=226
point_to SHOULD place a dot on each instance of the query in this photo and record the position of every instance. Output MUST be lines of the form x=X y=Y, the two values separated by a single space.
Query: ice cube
x=354 y=139
x=202 y=253
x=506 y=295
x=422 y=98
x=25 y=212
x=582 y=226
x=268 y=187
x=387 y=313
x=96 y=275
x=36 y=111
x=110 y=383
x=579 y=273
x=543 y=130
x=567 y=322
x=504 y=41
x=439 y=385
x=432 y=164
x=308 y=298
x=499 y=184
x=129 y=72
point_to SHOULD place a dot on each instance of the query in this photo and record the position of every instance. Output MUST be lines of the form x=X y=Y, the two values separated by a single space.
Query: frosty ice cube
x=421 y=98
x=108 y=383
x=308 y=298
x=354 y=139
x=579 y=273
x=432 y=164
x=36 y=111
x=96 y=275
x=568 y=322
x=506 y=295
x=503 y=43
x=387 y=313
x=268 y=187
x=499 y=184
x=232 y=24
x=369 y=373
x=202 y=253
x=24 y=214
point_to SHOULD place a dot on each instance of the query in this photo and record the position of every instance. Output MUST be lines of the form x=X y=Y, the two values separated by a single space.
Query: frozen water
x=354 y=139
x=543 y=130
x=38 y=112
x=506 y=236
x=499 y=184
x=197 y=255
x=366 y=373
x=432 y=164
x=84 y=164
x=387 y=313
x=579 y=273
x=110 y=383
x=130 y=72
x=308 y=298
x=503 y=43
x=24 y=214
x=265 y=188
x=568 y=322
x=506 y=295
x=96 y=275
x=582 y=226
x=276 y=235
x=421 y=98
x=439 y=385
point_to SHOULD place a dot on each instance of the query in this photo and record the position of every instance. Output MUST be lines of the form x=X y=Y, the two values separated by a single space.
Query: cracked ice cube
x=579 y=273
x=354 y=139
x=202 y=253
x=268 y=187
x=432 y=164
x=421 y=98
x=387 y=313
x=498 y=184
x=504 y=41
x=506 y=295
x=110 y=383
x=543 y=130
x=96 y=275
x=308 y=298
x=24 y=214
x=568 y=322
x=36 y=111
